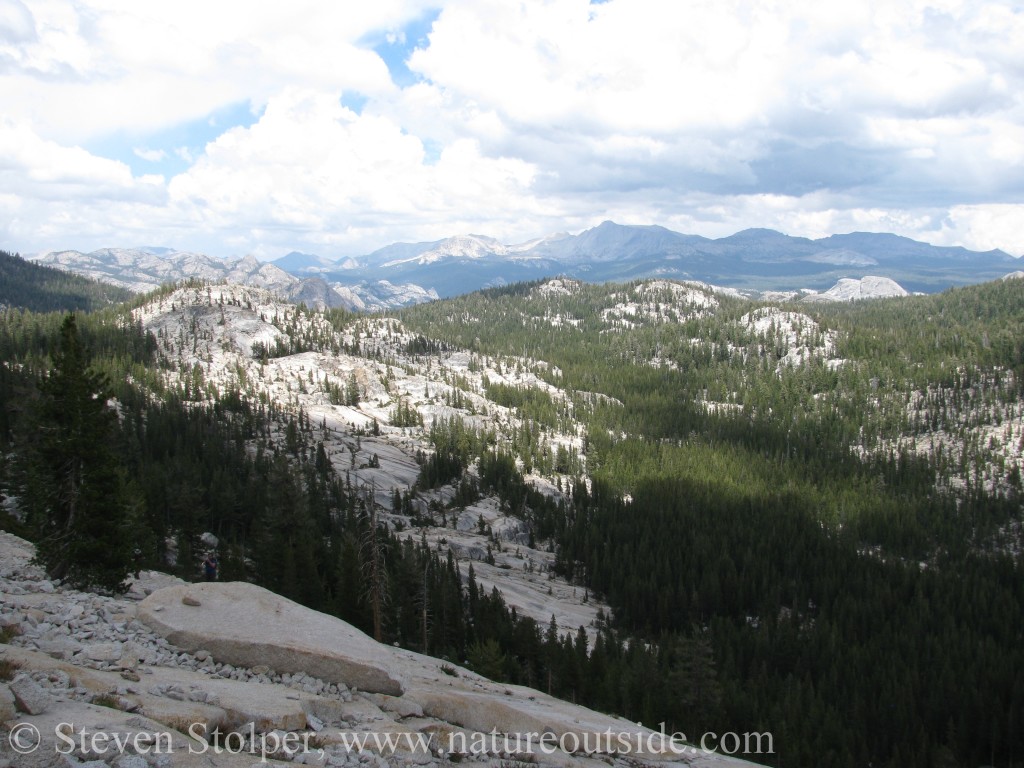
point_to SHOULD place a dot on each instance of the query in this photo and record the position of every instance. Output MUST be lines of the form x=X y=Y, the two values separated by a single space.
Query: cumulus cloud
x=36 y=168
x=986 y=226
x=312 y=165
x=128 y=66
x=740 y=92
x=16 y=23
x=519 y=119
x=56 y=196
x=150 y=155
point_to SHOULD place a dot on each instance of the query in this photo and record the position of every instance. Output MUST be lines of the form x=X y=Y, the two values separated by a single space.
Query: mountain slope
x=813 y=493
x=141 y=270
x=45 y=289
x=780 y=503
x=302 y=263
x=754 y=259
x=379 y=396
x=751 y=260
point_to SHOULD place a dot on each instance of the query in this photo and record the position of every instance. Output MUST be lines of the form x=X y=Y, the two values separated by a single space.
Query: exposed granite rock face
x=246 y=625
x=89 y=660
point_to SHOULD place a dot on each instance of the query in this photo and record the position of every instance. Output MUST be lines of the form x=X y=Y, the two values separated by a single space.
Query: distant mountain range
x=754 y=259
x=143 y=269
x=407 y=273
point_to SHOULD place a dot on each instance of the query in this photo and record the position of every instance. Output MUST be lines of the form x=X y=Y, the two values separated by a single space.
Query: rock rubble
x=105 y=665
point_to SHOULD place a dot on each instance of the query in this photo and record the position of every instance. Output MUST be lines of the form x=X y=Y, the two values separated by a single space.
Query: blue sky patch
x=172 y=150
x=396 y=47
x=354 y=101
x=432 y=151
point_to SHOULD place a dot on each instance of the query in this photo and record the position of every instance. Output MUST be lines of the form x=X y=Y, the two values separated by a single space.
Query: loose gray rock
x=8 y=711
x=60 y=648
x=29 y=697
x=103 y=651
x=398 y=706
x=324 y=710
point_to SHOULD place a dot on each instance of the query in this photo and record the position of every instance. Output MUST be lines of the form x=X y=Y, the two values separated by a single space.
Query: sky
x=337 y=128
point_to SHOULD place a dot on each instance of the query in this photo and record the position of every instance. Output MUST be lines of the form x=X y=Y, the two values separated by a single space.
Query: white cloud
x=983 y=227
x=150 y=155
x=311 y=165
x=57 y=197
x=894 y=104
x=16 y=23
x=33 y=167
x=118 y=65
x=528 y=117
x=655 y=67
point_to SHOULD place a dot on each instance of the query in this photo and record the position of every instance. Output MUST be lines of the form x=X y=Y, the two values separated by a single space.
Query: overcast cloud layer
x=337 y=128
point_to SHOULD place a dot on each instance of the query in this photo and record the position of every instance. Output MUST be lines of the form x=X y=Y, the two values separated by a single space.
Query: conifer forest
x=797 y=518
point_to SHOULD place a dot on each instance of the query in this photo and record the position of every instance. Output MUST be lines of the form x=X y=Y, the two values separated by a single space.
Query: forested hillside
x=44 y=289
x=186 y=466
x=796 y=519
x=826 y=499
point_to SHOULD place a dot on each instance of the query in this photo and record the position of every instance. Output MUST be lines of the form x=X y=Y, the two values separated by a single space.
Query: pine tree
x=694 y=680
x=375 y=575
x=486 y=658
x=73 y=487
x=286 y=542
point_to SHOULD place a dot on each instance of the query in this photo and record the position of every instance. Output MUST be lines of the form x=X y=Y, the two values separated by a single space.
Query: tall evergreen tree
x=375 y=575
x=694 y=681
x=73 y=487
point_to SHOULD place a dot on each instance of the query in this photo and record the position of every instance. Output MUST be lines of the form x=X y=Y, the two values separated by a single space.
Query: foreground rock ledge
x=247 y=626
